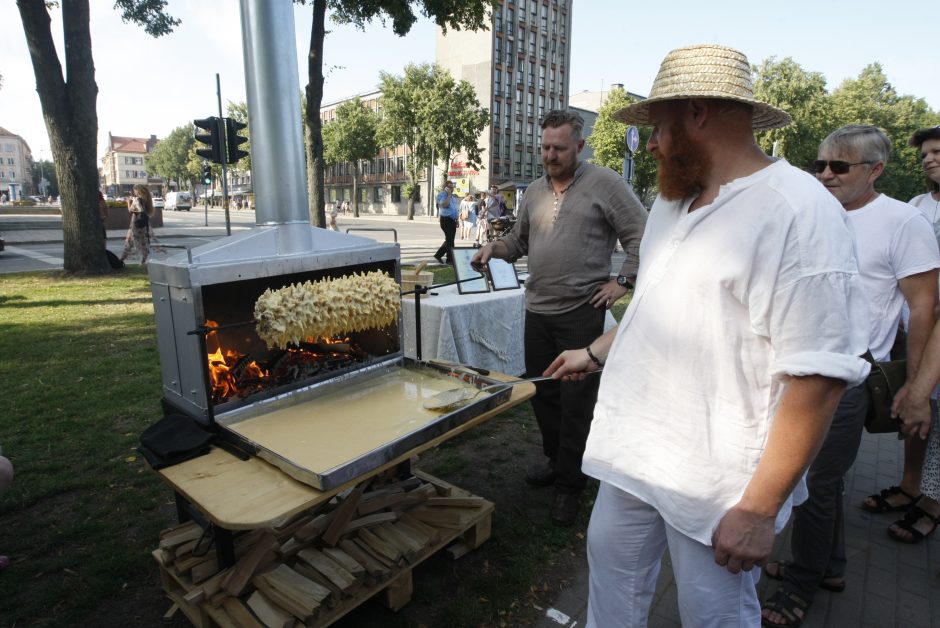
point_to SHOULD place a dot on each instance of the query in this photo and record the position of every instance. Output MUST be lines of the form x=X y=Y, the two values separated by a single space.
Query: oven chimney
x=277 y=150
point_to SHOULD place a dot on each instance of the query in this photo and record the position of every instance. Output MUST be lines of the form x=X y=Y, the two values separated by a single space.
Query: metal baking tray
x=337 y=431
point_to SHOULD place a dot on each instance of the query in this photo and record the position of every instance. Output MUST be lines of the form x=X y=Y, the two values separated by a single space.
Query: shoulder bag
x=883 y=383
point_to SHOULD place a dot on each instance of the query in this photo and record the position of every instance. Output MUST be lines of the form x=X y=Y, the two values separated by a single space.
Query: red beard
x=683 y=170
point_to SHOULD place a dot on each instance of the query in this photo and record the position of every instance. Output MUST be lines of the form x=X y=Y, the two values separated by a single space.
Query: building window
x=529 y=105
x=522 y=9
x=519 y=72
x=541 y=77
x=519 y=129
x=532 y=44
x=545 y=19
x=496 y=113
x=378 y=194
x=363 y=195
x=544 y=46
x=531 y=75
x=541 y=106
x=396 y=194
x=498 y=11
x=401 y=164
x=497 y=81
x=519 y=94
x=517 y=164
x=510 y=18
x=535 y=9
x=9 y=161
x=554 y=20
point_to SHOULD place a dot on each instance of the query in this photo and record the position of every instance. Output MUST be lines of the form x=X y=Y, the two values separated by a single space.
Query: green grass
x=81 y=379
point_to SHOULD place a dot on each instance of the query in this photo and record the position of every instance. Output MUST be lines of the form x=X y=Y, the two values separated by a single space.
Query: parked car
x=178 y=201
x=158 y=202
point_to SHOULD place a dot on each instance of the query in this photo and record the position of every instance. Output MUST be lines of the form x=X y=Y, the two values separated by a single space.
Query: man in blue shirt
x=448 y=207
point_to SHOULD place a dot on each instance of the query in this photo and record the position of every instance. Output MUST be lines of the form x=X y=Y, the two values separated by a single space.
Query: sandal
x=878 y=503
x=914 y=514
x=787 y=603
x=836 y=584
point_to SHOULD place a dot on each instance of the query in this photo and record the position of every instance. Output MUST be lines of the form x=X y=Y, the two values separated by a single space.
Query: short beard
x=682 y=172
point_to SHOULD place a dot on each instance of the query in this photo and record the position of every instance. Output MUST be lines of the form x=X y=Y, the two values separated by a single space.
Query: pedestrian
x=103 y=212
x=140 y=207
x=568 y=223
x=719 y=382
x=448 y=211
x=466 y=225
x=333 y=212
x=345 y=208
x=898 y=259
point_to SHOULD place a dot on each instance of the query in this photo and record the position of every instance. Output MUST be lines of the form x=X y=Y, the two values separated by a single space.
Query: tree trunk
x=312 y=127
x=70 y=113
x=355 y=190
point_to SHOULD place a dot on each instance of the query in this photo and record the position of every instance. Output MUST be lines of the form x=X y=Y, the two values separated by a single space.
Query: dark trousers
x=563 y=410
x=449 y=227
x=818 y=538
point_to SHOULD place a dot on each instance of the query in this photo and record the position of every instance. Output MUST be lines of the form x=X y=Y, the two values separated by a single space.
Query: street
x=34 y=242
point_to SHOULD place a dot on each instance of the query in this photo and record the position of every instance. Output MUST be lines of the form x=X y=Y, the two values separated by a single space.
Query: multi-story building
x=519 y=69
x=123 y=165
x=381 y=179
x=16 y=166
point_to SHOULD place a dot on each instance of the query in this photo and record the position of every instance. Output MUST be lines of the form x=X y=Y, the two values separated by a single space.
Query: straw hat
x=706 y=71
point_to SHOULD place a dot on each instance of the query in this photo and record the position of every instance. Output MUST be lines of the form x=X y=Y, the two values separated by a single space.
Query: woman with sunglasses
x=917 y=411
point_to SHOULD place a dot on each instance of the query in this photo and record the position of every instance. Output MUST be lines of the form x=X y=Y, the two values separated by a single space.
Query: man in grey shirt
x=568 y=224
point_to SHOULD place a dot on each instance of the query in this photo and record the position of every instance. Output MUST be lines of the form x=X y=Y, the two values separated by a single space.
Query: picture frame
x=469 y=281
x=502 y=274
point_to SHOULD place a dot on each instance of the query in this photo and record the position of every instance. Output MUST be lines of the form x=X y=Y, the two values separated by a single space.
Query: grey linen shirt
x=569 y=256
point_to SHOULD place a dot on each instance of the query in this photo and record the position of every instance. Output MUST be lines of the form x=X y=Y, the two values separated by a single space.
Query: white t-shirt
x=930 y=209
x=894 y=241
x=730 y=299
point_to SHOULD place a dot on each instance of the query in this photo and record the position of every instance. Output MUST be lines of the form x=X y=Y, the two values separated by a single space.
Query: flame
x=253 y=377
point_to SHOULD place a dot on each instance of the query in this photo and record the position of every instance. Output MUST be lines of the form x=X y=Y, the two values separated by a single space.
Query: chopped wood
x=165 y=557
x=270 y=614
x=419 y=538
x=375 y=555
x=168 y=615
x=409 y=548
x=261 y=554
x=417 y=496
x=313 y=528
x=291 y=526
x=312 y=574
x=186 y=563
x=380 y=493
x=451 y=518
x=290 y=547
x=205 y=570
x=296 y=585
x=432 y=533
x=240 y=613
x=457 y=502
x=369 y=520
x=189 y=531
x=282 y=599
x=342 y=516
x=382 y=502
x=389 y=551
x=345 y=561
x=330 y=568
x=373 y=568
x=184 y=549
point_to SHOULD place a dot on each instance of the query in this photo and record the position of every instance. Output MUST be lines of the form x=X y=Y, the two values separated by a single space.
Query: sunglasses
x=835 y=166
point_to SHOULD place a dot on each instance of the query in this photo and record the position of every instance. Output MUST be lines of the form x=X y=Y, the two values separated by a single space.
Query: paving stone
x=913 y=610
x=877 y=611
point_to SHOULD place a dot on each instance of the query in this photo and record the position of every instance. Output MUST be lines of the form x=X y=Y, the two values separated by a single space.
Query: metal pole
x=218 y=93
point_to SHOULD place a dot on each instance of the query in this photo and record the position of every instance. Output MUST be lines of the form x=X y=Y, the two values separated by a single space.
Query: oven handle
x=394 y=232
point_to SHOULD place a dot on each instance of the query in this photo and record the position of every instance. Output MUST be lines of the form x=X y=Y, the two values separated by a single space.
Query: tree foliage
x=607 y=141
x=431 y=114
x=69 y=107
x=169 y=158
x=456 y=14
x=351 y=137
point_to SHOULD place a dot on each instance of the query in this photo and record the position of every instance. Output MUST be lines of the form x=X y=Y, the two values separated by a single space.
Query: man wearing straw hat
x=720 y=381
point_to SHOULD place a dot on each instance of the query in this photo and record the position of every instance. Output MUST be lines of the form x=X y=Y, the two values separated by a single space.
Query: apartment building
x=122 y=166
x=16 y=166
x=519 y=69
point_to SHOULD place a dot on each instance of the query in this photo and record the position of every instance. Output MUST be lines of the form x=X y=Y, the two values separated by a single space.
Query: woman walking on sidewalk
x=140 y=206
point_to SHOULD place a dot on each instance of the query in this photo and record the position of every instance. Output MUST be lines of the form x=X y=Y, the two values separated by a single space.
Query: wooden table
x=248 y=494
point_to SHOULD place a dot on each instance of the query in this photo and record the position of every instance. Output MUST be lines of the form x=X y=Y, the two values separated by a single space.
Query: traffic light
x=206 y=173
x=212 y=139
x=233 y=140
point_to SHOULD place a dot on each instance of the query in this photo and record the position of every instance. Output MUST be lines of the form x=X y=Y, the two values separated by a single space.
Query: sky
x=151 y=86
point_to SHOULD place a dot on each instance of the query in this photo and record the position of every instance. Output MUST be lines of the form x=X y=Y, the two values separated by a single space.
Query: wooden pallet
x=323 y=564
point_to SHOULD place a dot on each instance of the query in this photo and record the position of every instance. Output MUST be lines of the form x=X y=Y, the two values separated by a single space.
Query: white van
x=178 y=201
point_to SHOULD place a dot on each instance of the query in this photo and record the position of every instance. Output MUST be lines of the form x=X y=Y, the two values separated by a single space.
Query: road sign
x=633 y=138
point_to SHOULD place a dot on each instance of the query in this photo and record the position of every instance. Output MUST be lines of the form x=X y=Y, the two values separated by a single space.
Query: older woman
x=140 y=206
x=919 y=417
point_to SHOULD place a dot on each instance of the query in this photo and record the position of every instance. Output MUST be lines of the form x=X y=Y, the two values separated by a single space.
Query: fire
x=235 y=374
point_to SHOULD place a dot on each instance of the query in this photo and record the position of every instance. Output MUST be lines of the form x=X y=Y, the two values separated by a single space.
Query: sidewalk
x=887 y=584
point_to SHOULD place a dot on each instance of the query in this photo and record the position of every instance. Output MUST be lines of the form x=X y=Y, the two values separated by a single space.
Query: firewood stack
x=326 y=561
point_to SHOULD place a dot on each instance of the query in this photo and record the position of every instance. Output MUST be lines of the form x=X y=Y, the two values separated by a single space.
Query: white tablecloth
x=483 y=330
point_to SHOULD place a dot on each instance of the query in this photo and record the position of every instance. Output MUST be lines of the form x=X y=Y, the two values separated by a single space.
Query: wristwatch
x=623 y=281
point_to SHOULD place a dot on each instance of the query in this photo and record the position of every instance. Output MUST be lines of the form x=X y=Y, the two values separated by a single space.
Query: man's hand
x=608 y=294
x=572 y=365
x=743 y=539
x=481 y=257
x=914 y=411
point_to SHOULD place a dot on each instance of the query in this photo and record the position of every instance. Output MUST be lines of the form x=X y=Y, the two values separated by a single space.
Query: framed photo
x=502 y=274
x=469 y=280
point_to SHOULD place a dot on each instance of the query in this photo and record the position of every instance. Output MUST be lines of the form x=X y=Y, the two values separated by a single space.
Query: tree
x=457 y=14
x=871 y=99
x=170 y=157
x=69 y=107
x=456 y=121
x=803 y=95
x=351 y=137
x=607 y=141
x=45 y=169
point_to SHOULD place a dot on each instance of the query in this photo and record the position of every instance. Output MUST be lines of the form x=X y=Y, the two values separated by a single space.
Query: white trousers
x=626 y=541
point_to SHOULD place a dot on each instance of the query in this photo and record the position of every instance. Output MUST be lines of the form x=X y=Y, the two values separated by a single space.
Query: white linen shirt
x=730 y=300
